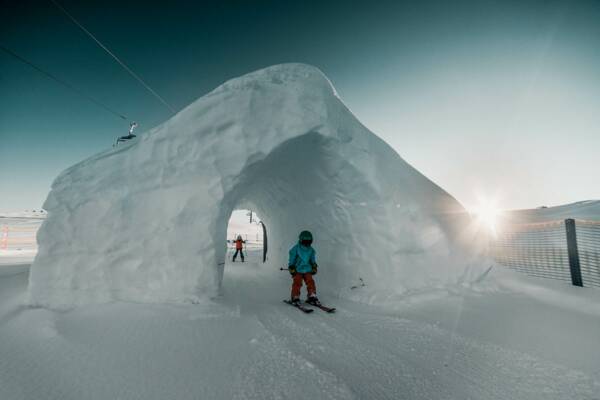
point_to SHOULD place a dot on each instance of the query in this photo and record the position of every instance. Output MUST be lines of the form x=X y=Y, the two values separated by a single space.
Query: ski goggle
x=306 y=242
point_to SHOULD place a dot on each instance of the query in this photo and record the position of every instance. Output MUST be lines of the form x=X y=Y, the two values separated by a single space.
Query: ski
x=322 y=307
x=299 y=306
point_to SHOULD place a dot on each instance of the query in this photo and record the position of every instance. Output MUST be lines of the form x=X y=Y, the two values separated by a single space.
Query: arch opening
x=247 y=226
x=306 y=184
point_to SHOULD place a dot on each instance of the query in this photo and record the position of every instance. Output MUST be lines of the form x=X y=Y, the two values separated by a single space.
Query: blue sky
x=488 y=99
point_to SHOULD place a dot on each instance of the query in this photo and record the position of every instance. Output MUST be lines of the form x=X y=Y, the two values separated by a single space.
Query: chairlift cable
x=133 y=74
x=63 y=83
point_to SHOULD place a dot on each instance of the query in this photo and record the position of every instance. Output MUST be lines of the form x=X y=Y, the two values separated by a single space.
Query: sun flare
x=487 y=215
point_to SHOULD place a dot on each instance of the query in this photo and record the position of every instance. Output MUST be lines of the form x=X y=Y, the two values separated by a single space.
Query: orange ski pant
x=297 y=284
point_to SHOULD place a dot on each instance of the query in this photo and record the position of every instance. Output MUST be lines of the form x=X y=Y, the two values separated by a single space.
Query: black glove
x=292 y=269
x=314 y=269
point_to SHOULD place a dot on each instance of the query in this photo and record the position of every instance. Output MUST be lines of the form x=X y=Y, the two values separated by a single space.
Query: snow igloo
x=147 y=221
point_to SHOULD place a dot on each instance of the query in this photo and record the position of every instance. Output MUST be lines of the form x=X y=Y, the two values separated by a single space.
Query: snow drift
x=147 y=221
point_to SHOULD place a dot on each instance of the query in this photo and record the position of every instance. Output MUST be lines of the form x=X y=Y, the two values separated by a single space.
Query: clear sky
x=487 y=98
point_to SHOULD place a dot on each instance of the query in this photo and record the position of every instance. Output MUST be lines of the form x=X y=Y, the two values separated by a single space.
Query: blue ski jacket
x=303 y=258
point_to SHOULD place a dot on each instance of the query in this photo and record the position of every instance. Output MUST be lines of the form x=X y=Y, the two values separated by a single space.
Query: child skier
x=302 y=266
x=239 y=247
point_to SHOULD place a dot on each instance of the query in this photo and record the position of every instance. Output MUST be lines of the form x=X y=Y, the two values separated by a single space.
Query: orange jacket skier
x=239 y=247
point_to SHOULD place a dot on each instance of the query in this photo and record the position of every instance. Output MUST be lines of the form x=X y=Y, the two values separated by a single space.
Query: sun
x=487 y=215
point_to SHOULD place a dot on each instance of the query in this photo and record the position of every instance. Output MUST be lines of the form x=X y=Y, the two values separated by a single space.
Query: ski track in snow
x=249 y=345
x=390 y=358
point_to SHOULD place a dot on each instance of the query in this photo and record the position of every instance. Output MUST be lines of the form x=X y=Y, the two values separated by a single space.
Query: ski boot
x=313 y=300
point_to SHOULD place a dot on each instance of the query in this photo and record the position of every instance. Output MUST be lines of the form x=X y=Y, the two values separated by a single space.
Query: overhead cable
x=133 y=74
x=60 y=81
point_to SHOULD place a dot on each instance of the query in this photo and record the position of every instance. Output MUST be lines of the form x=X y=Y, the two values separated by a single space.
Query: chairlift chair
x=130 y=136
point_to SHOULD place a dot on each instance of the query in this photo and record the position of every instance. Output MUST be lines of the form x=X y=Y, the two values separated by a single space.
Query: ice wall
x=147 y=221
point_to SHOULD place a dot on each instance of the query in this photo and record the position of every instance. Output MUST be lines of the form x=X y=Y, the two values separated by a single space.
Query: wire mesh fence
x=18 y=236
x=588 y=243
x=566 y=250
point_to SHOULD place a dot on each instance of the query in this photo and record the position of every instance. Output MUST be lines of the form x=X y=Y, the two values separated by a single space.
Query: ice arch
x=147 y=221
x=305 y=184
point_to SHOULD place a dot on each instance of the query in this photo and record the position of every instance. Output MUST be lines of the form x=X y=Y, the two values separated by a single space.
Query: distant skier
x=132 y=126
x=302 y=266
x=239 y=248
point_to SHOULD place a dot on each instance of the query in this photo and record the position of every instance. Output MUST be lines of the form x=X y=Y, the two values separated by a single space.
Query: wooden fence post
x=573 y=252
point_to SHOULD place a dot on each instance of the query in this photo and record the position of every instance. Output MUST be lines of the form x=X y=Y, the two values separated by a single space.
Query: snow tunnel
x=147 y=221
x=304 y=184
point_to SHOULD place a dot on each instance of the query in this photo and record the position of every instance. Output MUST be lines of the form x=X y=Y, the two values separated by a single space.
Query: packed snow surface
x=454 y=343
x=147 y=221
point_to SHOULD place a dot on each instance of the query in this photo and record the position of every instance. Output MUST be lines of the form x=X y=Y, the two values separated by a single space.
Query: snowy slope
x=588 y=210
x=147 y=221
x=31 y=214
x=247 y=344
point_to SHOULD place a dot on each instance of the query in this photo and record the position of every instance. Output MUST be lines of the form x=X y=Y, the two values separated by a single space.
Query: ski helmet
x=305 y=238
x=305 y=235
